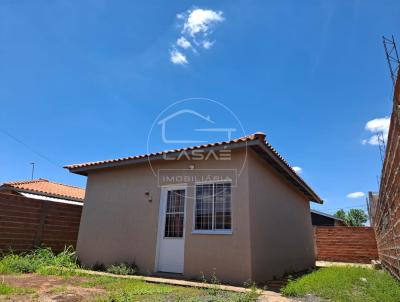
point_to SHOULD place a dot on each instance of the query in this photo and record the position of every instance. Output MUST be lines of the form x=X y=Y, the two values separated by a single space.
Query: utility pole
x=33 y=169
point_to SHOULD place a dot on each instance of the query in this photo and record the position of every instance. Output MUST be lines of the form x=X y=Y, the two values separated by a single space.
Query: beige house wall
x=271 y=221
x=281 y=230
x=119 y=223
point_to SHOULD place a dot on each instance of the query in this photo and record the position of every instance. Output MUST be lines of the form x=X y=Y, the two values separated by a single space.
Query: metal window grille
x=213 y=207
x=174 y=214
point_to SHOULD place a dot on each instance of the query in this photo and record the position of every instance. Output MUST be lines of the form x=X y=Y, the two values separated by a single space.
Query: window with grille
x=213 y=207
x=174 y=214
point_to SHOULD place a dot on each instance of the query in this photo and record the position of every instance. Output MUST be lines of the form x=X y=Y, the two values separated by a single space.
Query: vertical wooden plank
x=315 y=242
x=43 y=215
x=33 y=222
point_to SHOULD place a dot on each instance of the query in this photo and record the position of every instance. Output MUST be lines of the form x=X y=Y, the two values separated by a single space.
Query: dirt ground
x=50 y=288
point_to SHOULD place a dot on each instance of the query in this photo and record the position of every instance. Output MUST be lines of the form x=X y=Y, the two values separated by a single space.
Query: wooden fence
x=345 y=244
x=26 y=223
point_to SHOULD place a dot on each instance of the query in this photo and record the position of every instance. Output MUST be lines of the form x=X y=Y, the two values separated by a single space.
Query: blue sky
x=85 y=80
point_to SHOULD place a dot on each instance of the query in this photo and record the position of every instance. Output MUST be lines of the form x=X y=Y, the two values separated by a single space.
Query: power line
x=349 y=207
x=41 y=155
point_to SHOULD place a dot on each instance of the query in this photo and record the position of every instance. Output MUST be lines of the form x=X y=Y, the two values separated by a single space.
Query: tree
x=354 y=217
x=357 y=217
x=341 y=214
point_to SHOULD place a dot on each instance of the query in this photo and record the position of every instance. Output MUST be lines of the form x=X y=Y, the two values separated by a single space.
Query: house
x=242 y=217
x=322 y=219
x=37 y=213
x=45 y=190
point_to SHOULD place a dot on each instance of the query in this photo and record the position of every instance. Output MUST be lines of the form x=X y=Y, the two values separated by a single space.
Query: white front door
x=171 y=230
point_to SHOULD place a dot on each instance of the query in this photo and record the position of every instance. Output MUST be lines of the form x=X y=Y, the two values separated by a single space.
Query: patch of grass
x=64 y=272
x=37 y=261
x=45 y=262
x=58 y=289
x=213 y=290
x=347 y=283
x=99 y=281
x=123 y=290
x=6 y=289
x=217 y=294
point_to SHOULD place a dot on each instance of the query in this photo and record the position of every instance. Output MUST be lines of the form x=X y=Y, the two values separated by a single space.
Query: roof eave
x=257 y=145
x=85 y=170
x=288 y=173
x=326 y=215
x=48 y=194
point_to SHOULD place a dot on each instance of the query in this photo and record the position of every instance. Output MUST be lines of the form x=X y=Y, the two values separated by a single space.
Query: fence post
x=42 y=222
x=315 y=243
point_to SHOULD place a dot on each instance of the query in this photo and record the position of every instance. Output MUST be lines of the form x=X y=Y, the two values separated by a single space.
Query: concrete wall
x=281 y=230
x=120 y=224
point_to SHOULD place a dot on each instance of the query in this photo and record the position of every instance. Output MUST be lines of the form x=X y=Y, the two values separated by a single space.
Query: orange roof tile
x=256 y=138
x=46 y=187
x=248 y=138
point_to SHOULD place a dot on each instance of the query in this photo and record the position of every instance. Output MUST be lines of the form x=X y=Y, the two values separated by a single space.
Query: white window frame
x=213 y=231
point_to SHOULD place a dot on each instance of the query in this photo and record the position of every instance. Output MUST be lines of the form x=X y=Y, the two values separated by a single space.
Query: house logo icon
x=164 y=122
x=188 y=130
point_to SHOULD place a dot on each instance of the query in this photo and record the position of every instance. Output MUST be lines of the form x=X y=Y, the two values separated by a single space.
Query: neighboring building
x=323 y=219
x=253 y=227
x=45 y=190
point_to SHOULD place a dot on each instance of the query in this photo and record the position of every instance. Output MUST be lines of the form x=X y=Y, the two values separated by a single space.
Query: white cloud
x=200 y=21
x=196 y=28
x=298 y=170
x=207 y=44
x=378 y=124
x=177 y=57
x=182 y=42
x=355 y=195
x=379 y=127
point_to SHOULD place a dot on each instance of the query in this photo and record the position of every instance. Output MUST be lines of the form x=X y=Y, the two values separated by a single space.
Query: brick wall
x=385 y=210
x=26 y=223
x=345 y=244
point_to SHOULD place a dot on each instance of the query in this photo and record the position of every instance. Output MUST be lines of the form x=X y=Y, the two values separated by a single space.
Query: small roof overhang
x=326 y=215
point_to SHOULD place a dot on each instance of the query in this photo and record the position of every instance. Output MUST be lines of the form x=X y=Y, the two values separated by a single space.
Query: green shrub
x=37 y=260
x=16 y=264
x=122 y=269
x=215 y=293
x=253 y=292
